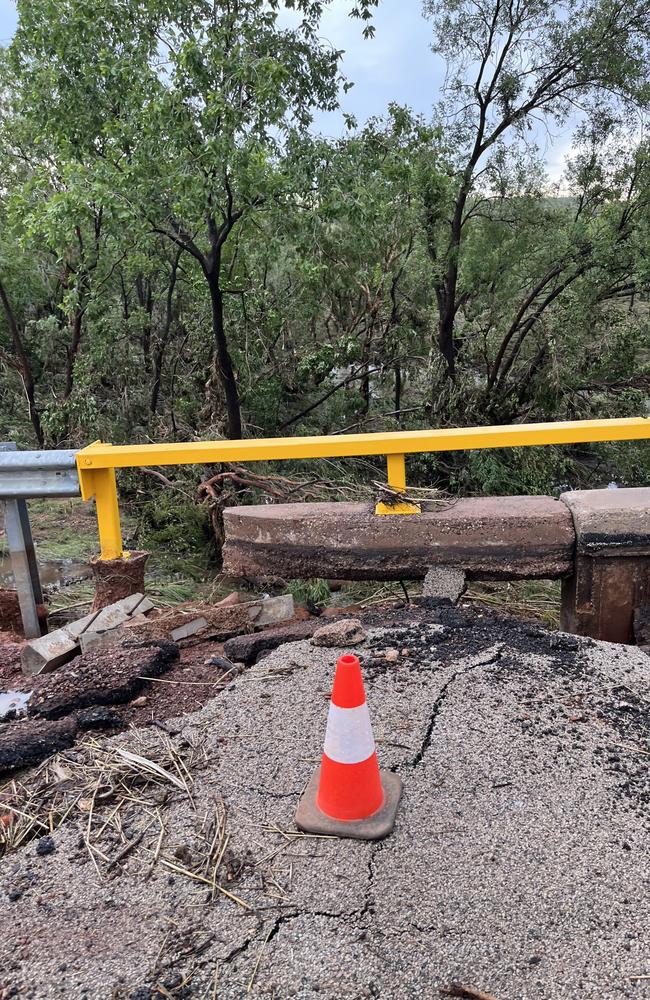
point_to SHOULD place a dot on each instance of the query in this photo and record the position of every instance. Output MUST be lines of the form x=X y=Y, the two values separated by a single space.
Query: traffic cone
x=349 y=796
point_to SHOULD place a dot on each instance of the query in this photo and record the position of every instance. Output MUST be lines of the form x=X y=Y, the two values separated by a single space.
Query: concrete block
x=110 y=618
x=99 y=640
x=611 y=576
x=444 y=582
x=186 y=631
x=271 y=610
x=74 y=629
x=340 y=633
x=41 y=656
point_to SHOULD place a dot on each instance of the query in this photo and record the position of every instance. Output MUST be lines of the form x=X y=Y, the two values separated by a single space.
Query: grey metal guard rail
x=24 y=475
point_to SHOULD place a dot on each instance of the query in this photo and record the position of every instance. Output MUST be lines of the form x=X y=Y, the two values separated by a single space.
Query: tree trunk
x=446 y=337
x=223 y=361
x=159 y=356
x=23 y=367
x=398 y=391
x=72 y=351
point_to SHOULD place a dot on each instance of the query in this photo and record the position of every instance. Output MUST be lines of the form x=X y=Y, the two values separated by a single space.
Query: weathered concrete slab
x=271 y=610
x=188 y=630
x=518 y=864
x=95 y=640
x=611 y=522
x=490 y=538
x=41 y=656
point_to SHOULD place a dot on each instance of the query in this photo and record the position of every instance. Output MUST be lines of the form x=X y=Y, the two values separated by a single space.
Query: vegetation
x=181 y=256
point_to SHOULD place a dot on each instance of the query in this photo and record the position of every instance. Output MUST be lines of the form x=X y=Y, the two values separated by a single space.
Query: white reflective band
x=349 y=739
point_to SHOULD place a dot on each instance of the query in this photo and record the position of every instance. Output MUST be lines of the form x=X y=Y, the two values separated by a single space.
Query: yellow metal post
x=108 y=514
x=100 y=484
x=397 y=481
x=396 y=472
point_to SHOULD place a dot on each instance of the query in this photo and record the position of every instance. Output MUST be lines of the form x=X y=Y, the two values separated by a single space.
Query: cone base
x=310 y=818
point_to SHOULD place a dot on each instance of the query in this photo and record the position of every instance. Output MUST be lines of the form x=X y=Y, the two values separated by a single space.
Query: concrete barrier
x=596 y=541
x=490 y=538
x=611 y=577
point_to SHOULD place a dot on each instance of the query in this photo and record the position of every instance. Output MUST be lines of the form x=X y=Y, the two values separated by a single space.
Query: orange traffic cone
x=349 y=796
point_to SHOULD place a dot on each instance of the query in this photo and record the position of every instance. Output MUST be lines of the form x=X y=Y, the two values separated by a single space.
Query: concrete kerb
x=517 y=863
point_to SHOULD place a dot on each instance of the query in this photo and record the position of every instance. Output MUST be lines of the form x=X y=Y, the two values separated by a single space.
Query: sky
x=396 y=65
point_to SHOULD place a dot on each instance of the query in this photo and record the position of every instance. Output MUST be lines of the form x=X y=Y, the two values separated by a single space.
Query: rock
x=444 y=582
x=233 y=598
x=344 y=632
x=25 y=743
x=221 y=662
x=139 y=702
x=245 y=648
x=45 y=846
x=391 y=656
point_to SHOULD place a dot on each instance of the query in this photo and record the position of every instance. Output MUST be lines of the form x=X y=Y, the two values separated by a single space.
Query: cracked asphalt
x=518 y=865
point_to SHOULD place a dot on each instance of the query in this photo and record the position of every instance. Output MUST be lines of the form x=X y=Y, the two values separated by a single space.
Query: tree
x=511 y=63
x=177 y=111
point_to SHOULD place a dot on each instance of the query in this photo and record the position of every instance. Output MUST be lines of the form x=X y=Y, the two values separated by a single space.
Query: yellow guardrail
x=97 y=463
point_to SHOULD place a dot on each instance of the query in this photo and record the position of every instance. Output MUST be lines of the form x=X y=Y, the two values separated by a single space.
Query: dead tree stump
x=118 y=578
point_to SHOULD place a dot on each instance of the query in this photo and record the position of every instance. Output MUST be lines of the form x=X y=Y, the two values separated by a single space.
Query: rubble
x=40 y=656
x=101 y=677
x=30 y=741
x=339 y=633
x=221 y=621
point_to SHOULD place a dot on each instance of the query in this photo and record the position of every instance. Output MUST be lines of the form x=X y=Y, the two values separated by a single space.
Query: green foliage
x=180 y=256
x=315 y=591
x=170 y=524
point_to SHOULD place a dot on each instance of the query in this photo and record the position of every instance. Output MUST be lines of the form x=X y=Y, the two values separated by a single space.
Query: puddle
x=13 y=703
x=54 y=575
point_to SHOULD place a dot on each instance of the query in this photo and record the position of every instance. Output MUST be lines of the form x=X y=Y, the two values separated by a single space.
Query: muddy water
x=13 y=703
x=55 y=574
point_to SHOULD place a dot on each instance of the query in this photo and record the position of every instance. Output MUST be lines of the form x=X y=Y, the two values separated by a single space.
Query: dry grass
x=113 y=789
x=522 y=598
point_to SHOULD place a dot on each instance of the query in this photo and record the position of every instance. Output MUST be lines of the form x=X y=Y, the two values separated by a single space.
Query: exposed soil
x=105 y=688
x=107 y=676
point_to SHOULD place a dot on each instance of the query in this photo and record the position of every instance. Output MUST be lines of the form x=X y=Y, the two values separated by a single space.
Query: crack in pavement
x=487 y=657
x=491 y=655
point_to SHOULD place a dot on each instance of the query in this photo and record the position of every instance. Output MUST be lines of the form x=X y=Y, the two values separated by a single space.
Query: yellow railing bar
x=103 y=456
x=91 y=461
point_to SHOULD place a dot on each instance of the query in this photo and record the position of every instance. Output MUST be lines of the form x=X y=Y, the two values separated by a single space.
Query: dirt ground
x=518 y=865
